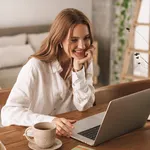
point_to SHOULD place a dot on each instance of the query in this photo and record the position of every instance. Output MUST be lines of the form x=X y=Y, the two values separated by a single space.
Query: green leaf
x=116 y=78
x=116 y=16
x=120 y=33
x=126 y=3
x=117 y=4
x=115 y=72
x=115 y=62
x=121 y=28
x=120 y=49
x=128 y=18
x=122 y=41
x=123 y=12
x=122 y=23
x=120 y=58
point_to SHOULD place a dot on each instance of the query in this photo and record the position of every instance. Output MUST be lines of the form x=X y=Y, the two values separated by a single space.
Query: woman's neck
x=64 y=61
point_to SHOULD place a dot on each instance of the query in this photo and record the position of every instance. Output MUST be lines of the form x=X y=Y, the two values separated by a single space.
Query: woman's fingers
x=78 y=63
x=63 y=126
x=92 y=49
x=88 y=55
x=86 y=58
x=58 y=133
x=61 y=131
x=72 y=121
x=67 y=122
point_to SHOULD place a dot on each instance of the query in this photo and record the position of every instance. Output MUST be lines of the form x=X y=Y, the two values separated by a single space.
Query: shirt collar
x=56 y=67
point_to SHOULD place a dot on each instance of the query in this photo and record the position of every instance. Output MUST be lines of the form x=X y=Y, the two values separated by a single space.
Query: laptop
x=122 y=115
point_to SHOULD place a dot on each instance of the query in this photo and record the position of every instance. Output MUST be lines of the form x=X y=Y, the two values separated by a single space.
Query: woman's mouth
x=79 y=53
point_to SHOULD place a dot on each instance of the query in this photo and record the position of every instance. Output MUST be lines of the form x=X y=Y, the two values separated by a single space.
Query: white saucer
x=2 y=147
x=56 y=145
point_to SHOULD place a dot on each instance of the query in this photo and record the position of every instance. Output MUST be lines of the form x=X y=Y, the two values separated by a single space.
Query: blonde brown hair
x=65 y=20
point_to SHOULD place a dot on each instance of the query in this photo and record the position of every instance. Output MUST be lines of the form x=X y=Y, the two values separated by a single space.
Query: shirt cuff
x=44 y=118
x=78 y=79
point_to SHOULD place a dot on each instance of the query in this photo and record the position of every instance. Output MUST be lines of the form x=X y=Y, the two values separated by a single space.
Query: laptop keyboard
x=90 y=133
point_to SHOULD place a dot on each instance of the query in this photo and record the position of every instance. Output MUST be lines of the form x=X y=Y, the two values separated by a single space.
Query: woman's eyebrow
x=79 y=37
x=74 y=37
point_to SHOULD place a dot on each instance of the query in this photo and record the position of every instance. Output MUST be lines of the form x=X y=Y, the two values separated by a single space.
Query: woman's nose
x=81 y=44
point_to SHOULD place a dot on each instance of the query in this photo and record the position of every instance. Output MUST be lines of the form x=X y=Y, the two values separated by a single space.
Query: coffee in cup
x=44 y=134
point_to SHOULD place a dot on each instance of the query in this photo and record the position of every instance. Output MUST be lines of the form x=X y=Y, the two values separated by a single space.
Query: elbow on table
x=85 y=107
x=5 y=117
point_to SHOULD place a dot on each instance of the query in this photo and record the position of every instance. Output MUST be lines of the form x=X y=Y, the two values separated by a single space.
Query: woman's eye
x=87 y=38
x=74 y=40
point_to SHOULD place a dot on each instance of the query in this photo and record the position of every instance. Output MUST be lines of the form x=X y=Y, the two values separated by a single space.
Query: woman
x=56 y=79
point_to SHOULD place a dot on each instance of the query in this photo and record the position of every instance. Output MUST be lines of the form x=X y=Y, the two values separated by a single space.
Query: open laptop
x=123 y=115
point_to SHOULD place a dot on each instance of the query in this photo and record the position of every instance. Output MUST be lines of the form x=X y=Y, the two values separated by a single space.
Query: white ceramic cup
x=44 y=134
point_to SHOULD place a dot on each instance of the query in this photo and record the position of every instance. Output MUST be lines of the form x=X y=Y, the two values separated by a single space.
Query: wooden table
x=13 y=138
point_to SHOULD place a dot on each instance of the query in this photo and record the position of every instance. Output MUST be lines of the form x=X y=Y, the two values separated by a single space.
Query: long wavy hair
x=51 y=48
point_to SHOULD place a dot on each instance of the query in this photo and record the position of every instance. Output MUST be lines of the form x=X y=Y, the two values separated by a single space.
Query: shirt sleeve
x=17 y=108
x=83 y=90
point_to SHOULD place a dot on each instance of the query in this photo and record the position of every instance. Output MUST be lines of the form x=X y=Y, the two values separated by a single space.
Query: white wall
x=34 y=12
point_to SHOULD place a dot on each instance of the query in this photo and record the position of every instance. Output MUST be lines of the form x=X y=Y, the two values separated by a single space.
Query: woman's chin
x=78 y=57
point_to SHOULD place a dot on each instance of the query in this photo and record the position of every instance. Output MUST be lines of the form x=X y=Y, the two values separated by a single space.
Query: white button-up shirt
x=40 y=93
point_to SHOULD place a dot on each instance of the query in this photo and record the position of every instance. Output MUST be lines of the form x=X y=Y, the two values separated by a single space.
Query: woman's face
x=78 y=43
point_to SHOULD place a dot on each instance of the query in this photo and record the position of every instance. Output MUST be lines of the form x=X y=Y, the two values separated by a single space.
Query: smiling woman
x=57 y=78
x=80 y=47
x=79 y=43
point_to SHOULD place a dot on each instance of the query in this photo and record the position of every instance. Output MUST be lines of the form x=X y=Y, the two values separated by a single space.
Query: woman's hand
x=63 y=126
x=78 y=63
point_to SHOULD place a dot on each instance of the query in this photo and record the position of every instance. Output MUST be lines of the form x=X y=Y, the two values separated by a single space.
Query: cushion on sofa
x=35 y=40
x=13 y=55
x=19 y=39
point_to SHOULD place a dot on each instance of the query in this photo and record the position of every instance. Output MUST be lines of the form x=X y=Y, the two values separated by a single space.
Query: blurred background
x=25 y=23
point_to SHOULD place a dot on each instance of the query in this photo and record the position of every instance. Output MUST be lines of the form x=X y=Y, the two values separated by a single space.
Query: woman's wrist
x=77 y=66
x=77 y=69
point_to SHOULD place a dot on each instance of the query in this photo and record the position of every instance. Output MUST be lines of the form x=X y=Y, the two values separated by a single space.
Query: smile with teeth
x=79 y=53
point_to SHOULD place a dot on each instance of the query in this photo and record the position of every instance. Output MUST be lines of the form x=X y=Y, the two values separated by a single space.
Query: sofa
x=16 y=45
